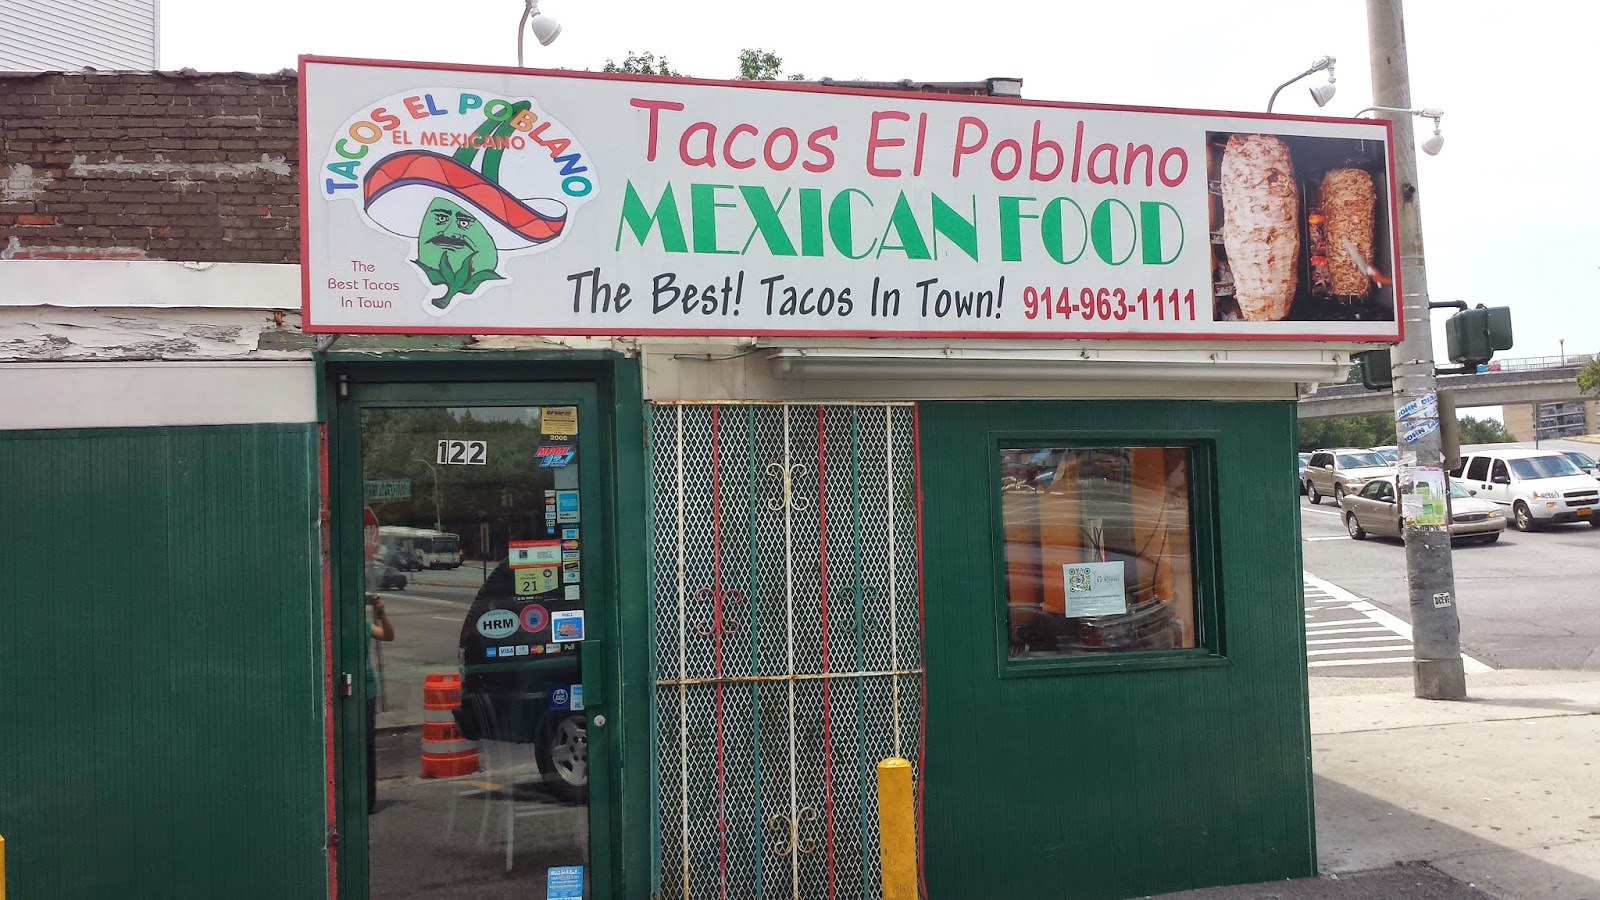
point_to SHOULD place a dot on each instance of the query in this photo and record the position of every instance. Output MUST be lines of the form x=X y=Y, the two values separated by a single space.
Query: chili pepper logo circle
x=508 y=188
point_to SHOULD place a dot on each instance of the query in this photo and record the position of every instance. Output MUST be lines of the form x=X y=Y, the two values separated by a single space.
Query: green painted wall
x=1115 y=784
x=160 y=660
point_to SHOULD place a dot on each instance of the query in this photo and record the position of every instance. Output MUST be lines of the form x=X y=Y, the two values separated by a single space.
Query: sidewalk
x=1496 y=797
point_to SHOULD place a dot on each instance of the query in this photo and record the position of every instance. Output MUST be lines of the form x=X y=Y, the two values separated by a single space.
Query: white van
x=1534 y=487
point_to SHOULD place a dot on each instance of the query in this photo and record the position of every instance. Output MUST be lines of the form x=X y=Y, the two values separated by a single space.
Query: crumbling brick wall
x=174 y=166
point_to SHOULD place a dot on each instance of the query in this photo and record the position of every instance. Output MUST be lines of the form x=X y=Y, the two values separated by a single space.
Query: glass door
x=479 y=661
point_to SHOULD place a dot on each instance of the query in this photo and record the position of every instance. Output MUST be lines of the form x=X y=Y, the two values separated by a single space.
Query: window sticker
x=1095 y=589
x=555 y=456
x=567 y=625
x=526 y=554
x=561 y=420
x=566 y=507
x=535 y=618
x=498 y=623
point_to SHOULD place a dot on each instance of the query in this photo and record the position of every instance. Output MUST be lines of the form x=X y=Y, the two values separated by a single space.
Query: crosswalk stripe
x=1330 y=663
x=1405 y=648
x=1354 y=640
x=1369 y=628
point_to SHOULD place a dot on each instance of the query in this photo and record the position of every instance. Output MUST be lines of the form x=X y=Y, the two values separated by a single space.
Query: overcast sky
x=1510 y=206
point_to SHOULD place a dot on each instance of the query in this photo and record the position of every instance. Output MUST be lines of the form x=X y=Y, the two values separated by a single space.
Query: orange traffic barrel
x=445 y=753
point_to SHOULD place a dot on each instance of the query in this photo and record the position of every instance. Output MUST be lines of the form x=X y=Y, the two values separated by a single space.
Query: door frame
x=619 y=831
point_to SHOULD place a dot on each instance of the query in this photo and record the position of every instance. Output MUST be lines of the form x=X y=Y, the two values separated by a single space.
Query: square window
x=1099 y=550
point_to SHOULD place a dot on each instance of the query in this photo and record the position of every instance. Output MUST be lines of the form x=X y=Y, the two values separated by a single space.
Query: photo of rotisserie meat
x=1261 y=225
x=1300 y=228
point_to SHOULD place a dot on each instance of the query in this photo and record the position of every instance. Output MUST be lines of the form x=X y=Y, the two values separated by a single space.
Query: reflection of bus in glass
x=419 y=548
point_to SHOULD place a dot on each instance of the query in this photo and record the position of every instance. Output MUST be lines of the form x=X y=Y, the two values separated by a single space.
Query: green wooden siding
x=160 y=661
x=1112 y=784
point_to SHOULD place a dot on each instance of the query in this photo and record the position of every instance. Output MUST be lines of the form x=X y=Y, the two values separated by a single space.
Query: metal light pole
x=438 y=522
x=1436 y=629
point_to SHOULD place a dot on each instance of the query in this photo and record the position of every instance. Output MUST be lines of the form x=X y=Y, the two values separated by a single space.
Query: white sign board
x=481 y=201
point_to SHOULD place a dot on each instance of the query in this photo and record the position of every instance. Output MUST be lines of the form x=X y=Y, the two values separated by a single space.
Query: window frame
x=1204 y=552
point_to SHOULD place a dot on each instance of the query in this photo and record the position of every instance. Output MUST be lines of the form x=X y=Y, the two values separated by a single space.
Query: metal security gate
x=788 y=642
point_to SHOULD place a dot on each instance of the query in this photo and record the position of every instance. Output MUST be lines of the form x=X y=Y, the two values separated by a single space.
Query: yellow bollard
x=897 y=830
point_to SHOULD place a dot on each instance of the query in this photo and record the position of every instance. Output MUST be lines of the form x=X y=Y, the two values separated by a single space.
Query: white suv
x=1534 y=487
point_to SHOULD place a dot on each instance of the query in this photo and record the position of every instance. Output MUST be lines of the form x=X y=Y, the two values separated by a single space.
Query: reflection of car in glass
x=1536 y=487
x=384 y=577
x=1334 y=473
x=1583 y=461
x=1376 y=510
x=520 y=687
x=406 y=559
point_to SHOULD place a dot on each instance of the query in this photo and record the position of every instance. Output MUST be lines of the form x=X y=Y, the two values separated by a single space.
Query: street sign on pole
x=388 y=489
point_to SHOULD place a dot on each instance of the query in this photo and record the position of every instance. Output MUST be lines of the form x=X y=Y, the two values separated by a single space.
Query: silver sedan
x=1376 y=510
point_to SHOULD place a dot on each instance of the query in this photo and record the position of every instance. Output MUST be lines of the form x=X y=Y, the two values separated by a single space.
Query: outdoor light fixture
x=545 y=29
x=1322 y=93
x=1432 y=145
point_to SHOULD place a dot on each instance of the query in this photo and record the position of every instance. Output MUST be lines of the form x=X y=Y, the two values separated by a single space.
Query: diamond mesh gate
x=787 y=642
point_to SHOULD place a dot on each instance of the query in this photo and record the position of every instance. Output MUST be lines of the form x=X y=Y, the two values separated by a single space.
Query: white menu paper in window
x=1094 y=589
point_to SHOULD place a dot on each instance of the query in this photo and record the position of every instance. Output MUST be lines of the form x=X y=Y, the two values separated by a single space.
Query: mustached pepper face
x=455 y=250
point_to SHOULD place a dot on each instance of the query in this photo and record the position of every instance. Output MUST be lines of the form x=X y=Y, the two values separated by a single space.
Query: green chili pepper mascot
x=461 y=216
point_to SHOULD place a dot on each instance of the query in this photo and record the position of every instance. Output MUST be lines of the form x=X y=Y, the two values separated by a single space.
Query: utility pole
x=1435 y=627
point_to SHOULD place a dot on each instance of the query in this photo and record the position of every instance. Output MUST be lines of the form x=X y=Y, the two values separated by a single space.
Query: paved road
x=1531 y=601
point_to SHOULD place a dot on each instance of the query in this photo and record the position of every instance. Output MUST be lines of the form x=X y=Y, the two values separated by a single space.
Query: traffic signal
x=1473 y=335
x=1375 y=368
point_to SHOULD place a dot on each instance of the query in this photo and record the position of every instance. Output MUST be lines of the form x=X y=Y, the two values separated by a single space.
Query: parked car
x=384 y=577
x=1346 y=470
x=1583 y=461
x=1389 y=454
x=1534 y=487
x=1376 y=510
x=1300 y=471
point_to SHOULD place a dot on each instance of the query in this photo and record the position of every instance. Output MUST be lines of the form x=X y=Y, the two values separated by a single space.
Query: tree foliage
x=1589 y=377
x=1483 y=431
x=756 y=64
x=1347 y=431
x=640 y=64
x=1378 y=431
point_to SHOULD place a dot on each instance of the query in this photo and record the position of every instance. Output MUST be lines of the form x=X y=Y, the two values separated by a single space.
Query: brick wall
x=173 y=166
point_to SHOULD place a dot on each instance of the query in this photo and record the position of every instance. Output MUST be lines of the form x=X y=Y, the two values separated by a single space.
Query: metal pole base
x=1440 y=679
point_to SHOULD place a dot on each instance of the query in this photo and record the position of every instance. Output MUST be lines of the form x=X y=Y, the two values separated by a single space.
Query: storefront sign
x=476 y=201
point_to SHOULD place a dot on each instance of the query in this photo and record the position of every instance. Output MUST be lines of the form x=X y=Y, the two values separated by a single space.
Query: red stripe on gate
x=827 y=711
x=716 y=643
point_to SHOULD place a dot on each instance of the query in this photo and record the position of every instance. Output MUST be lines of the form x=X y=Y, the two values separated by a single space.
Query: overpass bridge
x=1510 y=382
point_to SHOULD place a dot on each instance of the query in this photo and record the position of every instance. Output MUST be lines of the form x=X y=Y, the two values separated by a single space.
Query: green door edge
x=620 y=408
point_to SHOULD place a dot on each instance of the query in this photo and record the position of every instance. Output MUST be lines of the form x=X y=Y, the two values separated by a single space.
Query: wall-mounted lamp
x=545 y=29
x=1433 y=144
x=1322 y=93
